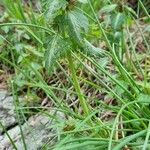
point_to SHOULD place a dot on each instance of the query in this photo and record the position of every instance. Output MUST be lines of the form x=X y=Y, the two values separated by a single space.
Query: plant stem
x=7 y=134
x=82 y=100
x=16 y=103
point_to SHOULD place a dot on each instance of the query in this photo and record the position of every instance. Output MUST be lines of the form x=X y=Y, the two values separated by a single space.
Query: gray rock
x=2 y=94
x=7 y=115
x=35 y=130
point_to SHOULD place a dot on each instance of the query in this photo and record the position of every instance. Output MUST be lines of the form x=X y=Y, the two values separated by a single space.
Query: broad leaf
x=91 y=49
x=108 y=8
x=57 y=48
x=52 y=7
x=117 y=20
x=77 y=22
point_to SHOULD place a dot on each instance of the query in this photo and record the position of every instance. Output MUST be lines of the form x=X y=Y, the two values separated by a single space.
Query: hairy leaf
x=52 y=7
x=117 y=20
x=57 y=48
x=77 y=22
x=108 y=8
x=91 y=49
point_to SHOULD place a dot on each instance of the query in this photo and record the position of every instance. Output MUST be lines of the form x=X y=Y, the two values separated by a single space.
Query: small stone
x=2 y=95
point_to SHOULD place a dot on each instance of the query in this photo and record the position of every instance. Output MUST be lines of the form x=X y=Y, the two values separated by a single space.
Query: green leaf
x=83 y=1
x=144 y=98
x=103 y=62
x=15 y=9
x=57 y=48
x=127 y=139
x=1 y=40
x=129 y=9
x=53 y=7
x=108 y=8
x=77 y=22
x=117 y=20
x=91 y=49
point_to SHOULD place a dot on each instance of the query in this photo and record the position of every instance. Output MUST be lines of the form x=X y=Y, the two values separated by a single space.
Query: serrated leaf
x=77 y=22
x=52 y=7
x=108 y=8
x=117 y=20
x=57 y=47
x=103 y=61
x=91 y=49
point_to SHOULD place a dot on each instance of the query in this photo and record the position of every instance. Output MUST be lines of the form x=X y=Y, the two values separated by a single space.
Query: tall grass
x=57 y=36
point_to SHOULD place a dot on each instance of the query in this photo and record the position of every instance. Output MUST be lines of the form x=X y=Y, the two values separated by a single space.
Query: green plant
x=64 y=36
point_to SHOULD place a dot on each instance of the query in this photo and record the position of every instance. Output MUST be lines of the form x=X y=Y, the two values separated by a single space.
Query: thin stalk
x=47 y=89
x=117 y=117
x=144 y=9
x=100 y=26
x=6 y=132
x=82 y=101
x=29 y=25
x=108 y=74
x=128 y=139
x=128 y=113
x=145 y=73
x=102 y=83
x=145 y=146
x=124 y=72
x=142 y=35
x=21 y=10
x=16 y=102
x=134 y=52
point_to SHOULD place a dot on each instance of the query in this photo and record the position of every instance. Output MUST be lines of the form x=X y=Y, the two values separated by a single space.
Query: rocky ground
x=35 y=128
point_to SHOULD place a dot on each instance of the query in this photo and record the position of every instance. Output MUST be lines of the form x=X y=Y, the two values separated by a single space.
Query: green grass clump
x=90 y=59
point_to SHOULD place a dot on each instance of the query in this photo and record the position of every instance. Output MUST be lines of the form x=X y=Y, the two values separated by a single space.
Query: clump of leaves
x=60 y=30
x=69 y=27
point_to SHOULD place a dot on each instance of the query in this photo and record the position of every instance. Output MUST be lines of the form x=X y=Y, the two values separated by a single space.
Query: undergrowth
x=90 y=59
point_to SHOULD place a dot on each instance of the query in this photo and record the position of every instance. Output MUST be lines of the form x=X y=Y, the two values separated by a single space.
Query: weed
x=82 y=55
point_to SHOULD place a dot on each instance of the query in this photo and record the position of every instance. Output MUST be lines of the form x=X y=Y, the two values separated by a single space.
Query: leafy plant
x=90 y=45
